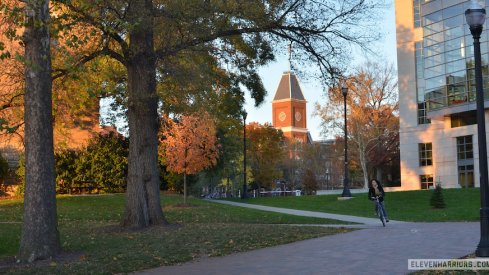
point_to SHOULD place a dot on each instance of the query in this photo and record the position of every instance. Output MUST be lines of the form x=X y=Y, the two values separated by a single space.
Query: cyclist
x=375 y=190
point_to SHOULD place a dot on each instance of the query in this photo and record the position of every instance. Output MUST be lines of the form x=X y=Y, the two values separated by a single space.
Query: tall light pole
x=346 y=189
x=245 y=188
x=475 y=16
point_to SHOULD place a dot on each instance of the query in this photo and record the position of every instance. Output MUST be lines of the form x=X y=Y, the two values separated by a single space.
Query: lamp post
x=475 y=16
x=245 y=188
x=346 y=190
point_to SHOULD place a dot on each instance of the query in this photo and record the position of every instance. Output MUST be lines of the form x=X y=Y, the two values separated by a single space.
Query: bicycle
x=380 y=210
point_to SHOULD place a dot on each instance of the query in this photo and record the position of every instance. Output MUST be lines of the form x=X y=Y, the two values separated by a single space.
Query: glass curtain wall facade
x=437 y=93
x=448 y=57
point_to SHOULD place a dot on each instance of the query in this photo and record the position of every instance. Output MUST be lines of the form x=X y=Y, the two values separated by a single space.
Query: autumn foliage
x=265 y=150
x=189 y=145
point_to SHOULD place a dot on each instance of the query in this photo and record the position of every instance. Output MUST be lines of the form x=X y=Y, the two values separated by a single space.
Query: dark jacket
x=371 y=193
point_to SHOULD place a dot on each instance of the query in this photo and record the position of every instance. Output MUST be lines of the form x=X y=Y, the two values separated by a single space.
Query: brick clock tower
x=289 y=109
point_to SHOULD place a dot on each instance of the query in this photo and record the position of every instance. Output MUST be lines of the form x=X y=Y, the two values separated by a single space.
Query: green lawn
x=90 y=233
x=462 y=205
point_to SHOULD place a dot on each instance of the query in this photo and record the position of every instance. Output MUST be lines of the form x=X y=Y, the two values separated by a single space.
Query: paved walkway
x=346 y=218
x=373 y=250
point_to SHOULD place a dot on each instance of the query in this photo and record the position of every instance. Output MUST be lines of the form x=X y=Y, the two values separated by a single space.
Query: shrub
x=104 y=162
x=66 y=163
x=437 y=200
x=3 y=175
x=21 y=174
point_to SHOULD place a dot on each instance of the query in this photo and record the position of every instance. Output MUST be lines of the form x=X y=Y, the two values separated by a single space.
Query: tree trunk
x=379 y=173
x=184 y=188
x=363 y=164
x=143 y=206
x=40 y=236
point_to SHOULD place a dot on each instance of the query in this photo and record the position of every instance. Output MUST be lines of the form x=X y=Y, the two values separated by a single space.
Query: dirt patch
x=183 y=205
x=9 y=264
x=117 y=229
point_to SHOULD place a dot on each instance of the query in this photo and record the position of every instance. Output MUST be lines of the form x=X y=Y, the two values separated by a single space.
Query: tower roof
x=289 y=88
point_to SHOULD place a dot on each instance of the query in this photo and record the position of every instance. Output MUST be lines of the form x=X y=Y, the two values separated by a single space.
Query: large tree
x=40 y=237
x=373 y=120
x=240 y=34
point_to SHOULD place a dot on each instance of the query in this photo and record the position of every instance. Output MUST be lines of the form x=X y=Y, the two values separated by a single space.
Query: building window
x=420 y=86
x=464 y=148
x=466 y=176
x=417 y=13
x=425 y=154
x=422 y=118
x=426 y=181
x=463 y=119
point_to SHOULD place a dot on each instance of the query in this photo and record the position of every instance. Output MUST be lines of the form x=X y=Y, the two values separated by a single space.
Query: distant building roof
x=289 y=88
x=326 y=141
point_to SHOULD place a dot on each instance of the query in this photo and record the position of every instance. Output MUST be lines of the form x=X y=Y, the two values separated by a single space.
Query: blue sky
x=313 y=92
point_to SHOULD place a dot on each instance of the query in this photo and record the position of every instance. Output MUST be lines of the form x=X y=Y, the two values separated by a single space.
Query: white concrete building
x=438 y=131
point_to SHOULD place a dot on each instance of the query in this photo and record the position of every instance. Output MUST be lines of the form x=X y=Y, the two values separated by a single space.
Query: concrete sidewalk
x=368 y=251
x=372 y=250
x=346 y=218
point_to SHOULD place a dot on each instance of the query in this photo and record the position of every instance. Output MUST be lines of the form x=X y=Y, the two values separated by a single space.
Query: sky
x=312 y=90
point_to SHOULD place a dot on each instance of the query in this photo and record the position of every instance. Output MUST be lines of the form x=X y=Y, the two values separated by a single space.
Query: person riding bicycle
x=375 y=190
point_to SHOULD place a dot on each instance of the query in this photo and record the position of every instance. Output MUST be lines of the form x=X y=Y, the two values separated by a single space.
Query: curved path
x=372 y=250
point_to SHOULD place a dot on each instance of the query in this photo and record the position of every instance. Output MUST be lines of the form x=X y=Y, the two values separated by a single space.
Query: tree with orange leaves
x=373 y=120
x=189 y=146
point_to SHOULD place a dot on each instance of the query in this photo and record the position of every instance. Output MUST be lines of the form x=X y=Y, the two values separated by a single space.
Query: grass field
x=462 y=205
x=96 y=244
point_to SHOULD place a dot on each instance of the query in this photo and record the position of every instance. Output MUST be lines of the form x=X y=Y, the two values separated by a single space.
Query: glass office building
x=438 y=132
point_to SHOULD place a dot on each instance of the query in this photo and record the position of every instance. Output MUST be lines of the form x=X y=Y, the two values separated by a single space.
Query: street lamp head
x=344 y=89
x=475 y=16
x=244 y=114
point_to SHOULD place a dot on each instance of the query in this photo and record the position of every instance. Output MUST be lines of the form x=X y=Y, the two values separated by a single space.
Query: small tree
x=265 y=151
x=189 y=146
x=310 y=183
x=437 y=200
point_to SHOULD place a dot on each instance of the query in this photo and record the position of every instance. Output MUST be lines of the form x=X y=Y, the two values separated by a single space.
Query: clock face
x=282 y=116
x=298 y=116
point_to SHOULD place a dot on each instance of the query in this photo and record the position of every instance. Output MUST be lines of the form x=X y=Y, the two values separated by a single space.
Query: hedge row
x=101 y=166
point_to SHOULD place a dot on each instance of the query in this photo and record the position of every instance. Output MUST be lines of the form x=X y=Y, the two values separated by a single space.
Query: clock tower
x=289 y=109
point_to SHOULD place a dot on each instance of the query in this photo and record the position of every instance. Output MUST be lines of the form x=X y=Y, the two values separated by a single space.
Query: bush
x=66 y=163
x=21 y=174
x=437 y=200
x=3 y=175
x=104 y=162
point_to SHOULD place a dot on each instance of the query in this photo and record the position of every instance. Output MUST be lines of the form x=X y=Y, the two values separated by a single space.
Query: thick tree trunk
x=143 y=207
x=39 y=237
